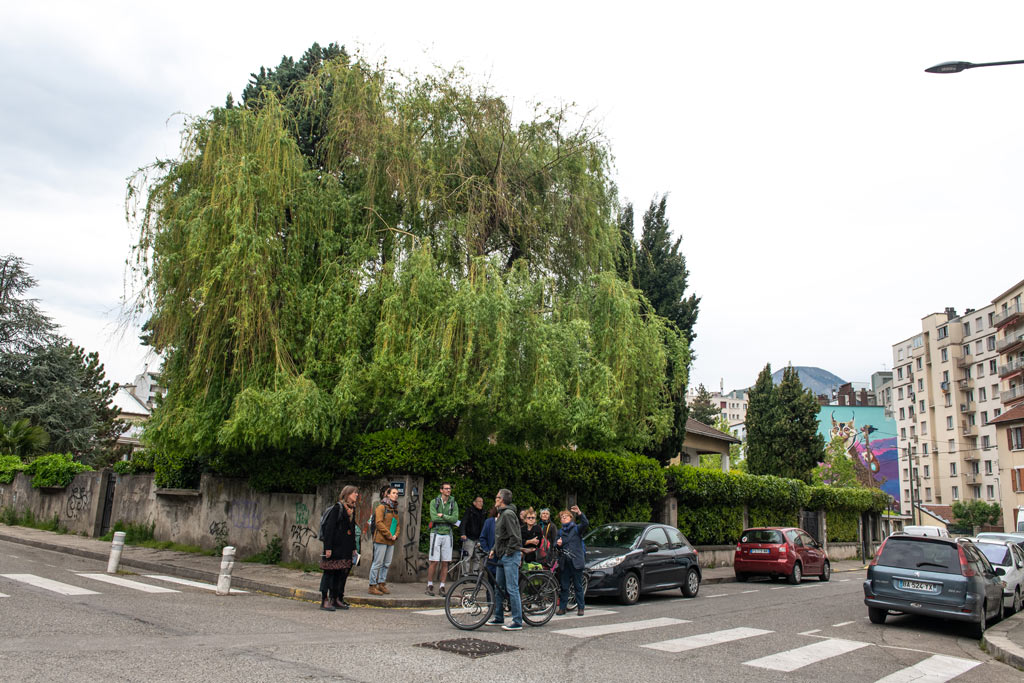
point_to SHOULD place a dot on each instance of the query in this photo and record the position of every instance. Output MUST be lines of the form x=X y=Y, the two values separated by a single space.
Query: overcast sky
x=829 y=193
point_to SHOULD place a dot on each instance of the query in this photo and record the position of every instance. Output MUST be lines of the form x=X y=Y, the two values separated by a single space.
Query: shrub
x=271 y=554
x=10 y=465
x=55 y=469
x=142 y=461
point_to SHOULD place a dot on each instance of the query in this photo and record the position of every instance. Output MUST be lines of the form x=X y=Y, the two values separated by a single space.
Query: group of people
x=507 y=537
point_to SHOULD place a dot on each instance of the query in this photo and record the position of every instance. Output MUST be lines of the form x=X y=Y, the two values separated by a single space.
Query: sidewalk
x=271 y=579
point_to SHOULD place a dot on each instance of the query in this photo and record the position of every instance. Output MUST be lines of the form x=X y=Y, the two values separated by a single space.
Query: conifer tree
x=799 y=446
x=762 y=420
x=703 y=408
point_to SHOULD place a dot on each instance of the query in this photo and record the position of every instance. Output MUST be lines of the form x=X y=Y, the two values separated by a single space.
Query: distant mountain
x=817 y=380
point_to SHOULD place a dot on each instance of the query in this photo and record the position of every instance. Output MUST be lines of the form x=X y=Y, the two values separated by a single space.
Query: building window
x=945 y=355
x=990 y=491
x=924 y=430
x=976 y=491
x=926 y=471
x=971 y=420
x=975 y=469
x=918 y=363
x=982 y=394
x=991 y=316
x=943 y=332
x=967 y=350
x=945 y=375
x=899 y=372
x=956 y=493
x=977 y=324
x=903 y=414
x=988 y=467
x=970 y=396
x=949 y=422
x=899 y=393
x=952 y=469
x=997 y=412
x=906 y=473
x=906 y=494
x=985 y=442
x=1016 y=438
x=903 y=433
x=899 y=354
x=984 y=417
x=920 y=406
x=949 y=400
x=928 y=493
x=980 y=370
x=920 y=385
x=978 y=347
x=992 y=368
x=926 y=448
x=967 y=329
x=991 y=343
x=952 y=445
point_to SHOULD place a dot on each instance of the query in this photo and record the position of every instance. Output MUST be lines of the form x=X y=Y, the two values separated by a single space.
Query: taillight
x=965 y=566
x=878 y=553
x=783 y=549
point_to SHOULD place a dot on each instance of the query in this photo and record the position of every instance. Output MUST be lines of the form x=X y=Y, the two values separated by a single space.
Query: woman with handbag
x=339 y=550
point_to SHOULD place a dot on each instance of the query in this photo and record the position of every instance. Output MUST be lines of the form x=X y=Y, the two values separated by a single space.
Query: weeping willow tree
x=357 y=252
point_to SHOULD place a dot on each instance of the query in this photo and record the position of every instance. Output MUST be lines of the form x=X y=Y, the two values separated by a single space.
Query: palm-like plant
x=22 y=438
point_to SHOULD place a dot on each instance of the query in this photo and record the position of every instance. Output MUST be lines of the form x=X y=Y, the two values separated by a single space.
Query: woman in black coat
x=339 y=549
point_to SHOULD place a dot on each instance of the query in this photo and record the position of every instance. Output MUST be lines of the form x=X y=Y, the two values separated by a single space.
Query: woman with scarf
x=574 y=556
x=339 y=550
x=546 y=554
x=531 y=533
x=385 y=533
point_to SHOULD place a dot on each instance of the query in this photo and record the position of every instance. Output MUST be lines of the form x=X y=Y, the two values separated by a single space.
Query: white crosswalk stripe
x=706 y=639
x=4 y=595
x=791 y=660
x=49 y=584
x=187 y=582
x=621 y=627
x=128 y=583
x=935 y=669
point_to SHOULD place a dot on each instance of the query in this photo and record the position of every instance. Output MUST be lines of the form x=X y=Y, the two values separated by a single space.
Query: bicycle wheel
x=570 y=602
x=469 y=603
x=539 y=594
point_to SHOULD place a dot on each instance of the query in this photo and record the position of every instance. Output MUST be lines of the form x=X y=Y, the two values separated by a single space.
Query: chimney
x=950 y=313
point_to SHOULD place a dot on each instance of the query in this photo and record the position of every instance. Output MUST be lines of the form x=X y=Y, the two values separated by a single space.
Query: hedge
x=55 y=469
x=10 y=465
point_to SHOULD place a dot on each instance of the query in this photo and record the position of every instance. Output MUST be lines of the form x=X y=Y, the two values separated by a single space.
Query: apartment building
x=1008 y=319
x=733 y=405
x=946 y=392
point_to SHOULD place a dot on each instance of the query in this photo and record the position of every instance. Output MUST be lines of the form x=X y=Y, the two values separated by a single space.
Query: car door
x=815 y=561
x=682 y=555
x=992 y=584
x=659 y=564
x=801 y=551
x=1015 y=579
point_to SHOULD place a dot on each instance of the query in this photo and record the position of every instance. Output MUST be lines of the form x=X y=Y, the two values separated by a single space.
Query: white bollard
x=227 y=564
x=116 y=546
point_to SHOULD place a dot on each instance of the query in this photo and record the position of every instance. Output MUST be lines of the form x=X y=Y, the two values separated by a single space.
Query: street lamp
x=957 y=67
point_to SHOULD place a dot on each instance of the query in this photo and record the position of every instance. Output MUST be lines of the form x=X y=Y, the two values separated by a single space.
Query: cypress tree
x=762 y=416
x=798 y=445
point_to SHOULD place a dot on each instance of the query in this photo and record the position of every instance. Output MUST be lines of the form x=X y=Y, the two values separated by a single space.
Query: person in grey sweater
x=508 y=541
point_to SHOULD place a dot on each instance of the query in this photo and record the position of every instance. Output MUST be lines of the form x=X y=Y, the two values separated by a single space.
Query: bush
x=842 y=525
x=177 y=471
x=711 y=524
x=10 y=465
x=55 y=469
x=142 y=461
x=271 y=554
x=134 y=534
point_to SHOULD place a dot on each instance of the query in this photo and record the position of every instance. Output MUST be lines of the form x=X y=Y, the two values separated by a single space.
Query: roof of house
x=127 y=404
x=1012 y=415
x=697 y=427
x=943 y=513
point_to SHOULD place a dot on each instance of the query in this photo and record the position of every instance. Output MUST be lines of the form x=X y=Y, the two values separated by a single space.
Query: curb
x=999 y=645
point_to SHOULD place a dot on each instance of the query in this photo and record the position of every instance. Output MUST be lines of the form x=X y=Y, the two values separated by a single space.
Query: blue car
x=934 y=577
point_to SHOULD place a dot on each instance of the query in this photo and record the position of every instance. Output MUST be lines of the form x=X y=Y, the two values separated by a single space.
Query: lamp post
x=957 y=67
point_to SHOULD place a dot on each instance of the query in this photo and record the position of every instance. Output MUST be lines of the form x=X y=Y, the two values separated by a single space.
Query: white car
x=1008 y=556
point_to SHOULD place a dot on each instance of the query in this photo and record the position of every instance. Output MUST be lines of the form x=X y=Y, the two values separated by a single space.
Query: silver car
x=934 y=577
x=1009 y=557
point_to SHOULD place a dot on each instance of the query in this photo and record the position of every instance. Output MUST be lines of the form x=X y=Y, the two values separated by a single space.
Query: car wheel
x=629 y=589
x=741 y=577
x=979 y=629
x=877 y=615
x=797 y=575
x=1016 y=601
x=692 y=585
x=826 y=572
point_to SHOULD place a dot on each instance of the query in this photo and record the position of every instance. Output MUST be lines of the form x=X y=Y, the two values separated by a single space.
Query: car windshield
x=613 y=536
x=996 y=554
x=913 y=553
x=761 y=536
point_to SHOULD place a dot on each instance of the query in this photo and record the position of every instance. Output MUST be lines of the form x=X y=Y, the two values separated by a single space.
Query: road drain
x=469 y=647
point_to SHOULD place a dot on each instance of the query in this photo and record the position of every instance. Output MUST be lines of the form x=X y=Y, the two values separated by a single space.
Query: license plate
x=759 y=551
x=917 y=586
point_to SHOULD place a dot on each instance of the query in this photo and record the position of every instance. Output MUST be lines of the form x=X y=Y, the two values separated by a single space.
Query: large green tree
x=421 y=259
x=22 y=324
x=762 y=420
x=782 y=427
x=703 y=408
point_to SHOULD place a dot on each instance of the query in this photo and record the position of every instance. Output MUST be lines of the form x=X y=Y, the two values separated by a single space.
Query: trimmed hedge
x=55 y=469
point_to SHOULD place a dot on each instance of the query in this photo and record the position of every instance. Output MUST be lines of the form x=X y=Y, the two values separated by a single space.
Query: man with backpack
x=444 y=516
x=508 y=541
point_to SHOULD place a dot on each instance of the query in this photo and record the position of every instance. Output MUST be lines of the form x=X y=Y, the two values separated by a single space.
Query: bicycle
x=470 y=602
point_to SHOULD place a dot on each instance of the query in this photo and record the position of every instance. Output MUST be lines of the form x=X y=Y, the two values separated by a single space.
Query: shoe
x=374 y=590
x=495 y=622
x=383 y=588
x=440 y=591
x=560 y=611
x=326 y=605
x=339 y=604
x=430 y=591
x=579 y=612
x=511 y=627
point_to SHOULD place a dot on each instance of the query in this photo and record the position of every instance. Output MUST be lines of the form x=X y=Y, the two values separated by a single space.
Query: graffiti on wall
x=414 y=563
x=300 y=537
x=77 y=502
x=245 y=514
x=301 y=513
x=870 y=440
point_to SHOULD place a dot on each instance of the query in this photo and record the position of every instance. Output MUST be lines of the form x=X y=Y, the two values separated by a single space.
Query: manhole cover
x=469 y=647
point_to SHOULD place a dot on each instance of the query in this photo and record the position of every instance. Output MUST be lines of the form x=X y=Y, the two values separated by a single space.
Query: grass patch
x=304 y=566
x=27 y=518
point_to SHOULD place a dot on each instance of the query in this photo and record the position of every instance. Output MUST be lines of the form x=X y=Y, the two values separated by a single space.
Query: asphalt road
x=760 y=631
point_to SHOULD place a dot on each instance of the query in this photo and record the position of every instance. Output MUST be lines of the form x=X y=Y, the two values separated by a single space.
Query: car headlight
x=609 y=563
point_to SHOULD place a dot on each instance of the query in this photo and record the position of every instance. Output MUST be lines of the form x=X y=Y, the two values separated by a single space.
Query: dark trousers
x=568 y=574
x=332 y=583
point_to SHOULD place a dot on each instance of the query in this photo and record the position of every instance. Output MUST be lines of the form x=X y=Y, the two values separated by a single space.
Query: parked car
x=926 y=531
x=1002 y=536
x=780 y=552
x=629 y=558
x=1009 y=557
x=933 y=577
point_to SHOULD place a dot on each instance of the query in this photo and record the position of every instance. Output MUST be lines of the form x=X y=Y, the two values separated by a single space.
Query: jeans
x=576 y=576
x=471 y=563
x=507 y=583
x=382 y=554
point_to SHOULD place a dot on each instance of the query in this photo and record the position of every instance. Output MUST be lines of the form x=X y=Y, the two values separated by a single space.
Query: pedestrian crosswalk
x=83 y=583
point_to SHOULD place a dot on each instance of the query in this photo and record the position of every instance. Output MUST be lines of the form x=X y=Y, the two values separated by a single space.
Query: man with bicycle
x=507 y=543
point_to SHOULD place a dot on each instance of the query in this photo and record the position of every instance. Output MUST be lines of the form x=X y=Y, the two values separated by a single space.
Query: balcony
x=1011 y=394
x=963 y=361
x=971 y=455
x=944 y=342
x=972 y=478
x=965 y=384
x=1011 y=314
x=1010 y=343
x=1011 y=368
x=967 y=429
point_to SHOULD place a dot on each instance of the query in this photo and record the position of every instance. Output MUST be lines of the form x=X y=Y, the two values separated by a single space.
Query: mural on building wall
x=870 y=439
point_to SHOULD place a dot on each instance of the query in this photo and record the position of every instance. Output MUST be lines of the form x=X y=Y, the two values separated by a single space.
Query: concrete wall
x=78 y=507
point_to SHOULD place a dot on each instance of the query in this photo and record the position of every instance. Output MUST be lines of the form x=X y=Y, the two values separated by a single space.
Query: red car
x=778 y=552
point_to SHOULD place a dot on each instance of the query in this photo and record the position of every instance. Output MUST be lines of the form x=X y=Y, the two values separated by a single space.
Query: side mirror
x=1000 y=571
x=650 y=547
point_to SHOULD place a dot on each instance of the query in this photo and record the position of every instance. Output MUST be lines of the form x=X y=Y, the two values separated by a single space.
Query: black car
x=631 y=558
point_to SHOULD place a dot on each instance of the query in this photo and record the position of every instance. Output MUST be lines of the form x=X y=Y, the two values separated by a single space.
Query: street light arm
x=957 y=67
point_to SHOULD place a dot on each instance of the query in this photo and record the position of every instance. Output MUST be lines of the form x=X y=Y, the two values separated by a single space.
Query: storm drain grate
x=473 y=648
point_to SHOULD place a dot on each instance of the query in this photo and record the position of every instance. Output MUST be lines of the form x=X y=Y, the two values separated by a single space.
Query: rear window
x=761 y=536
x=996 y=554
x=920 y=555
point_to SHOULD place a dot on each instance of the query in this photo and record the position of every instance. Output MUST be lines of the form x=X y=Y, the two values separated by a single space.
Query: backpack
x=323 y=522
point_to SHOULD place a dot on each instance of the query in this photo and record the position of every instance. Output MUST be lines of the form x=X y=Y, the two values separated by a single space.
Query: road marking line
x=591 y=631
x=791 y=660
x=186 y=582
x=842 y=623
x=717 y=595
x=705 y=639
x=937 y=669
x=843 y=580
x=50 y=585
x=4 y=595
x=127 y=583
x=777 y=588
x=808 y=633
x=753 y=591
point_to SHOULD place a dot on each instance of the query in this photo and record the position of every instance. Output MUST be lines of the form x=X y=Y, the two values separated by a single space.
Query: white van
x=926 y=531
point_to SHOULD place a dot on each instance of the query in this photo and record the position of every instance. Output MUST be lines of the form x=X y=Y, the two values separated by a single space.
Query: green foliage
x=177 y=470
x=271 y=554
x=10 y=465
x=837 y=468
x=22 y=438
x=842 y=525
x=135 y=533
x=55 y=469
x=782 y=427
x=141 y=461
x=767 y=515
x=122 y=467
x=23 y=325
x=11 y=517
x=703 y=408
x=711 y=524
x=976 y=513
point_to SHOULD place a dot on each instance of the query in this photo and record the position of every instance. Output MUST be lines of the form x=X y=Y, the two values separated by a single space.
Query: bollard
x=116 y=546
x=227 y=564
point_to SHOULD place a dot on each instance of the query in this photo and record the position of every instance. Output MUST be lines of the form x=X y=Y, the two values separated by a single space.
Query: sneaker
x=374 y=590
x=579 y=612
x=430 y=591
x=560 y=611
x=383 y=588
x=440 y=591
x=511 y=627
x=496 y=622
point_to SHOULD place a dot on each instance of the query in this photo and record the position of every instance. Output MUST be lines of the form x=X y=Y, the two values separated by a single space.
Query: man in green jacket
x=444 y=517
